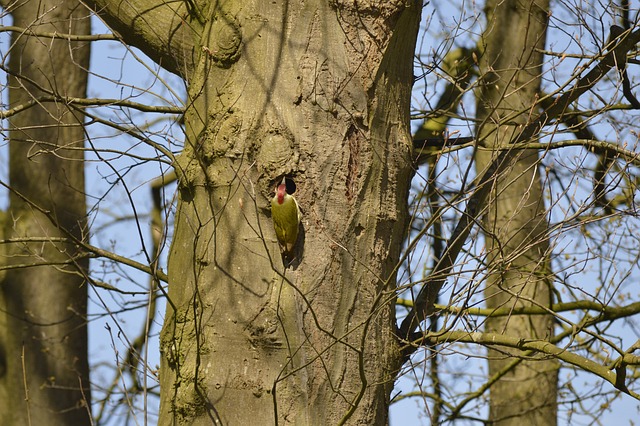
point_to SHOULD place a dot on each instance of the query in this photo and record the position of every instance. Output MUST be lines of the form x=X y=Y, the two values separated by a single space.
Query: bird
x=286 y=217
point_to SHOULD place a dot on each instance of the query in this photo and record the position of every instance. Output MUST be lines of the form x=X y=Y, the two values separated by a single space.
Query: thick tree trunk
x=317 y=91
x=515 y=225
x=45 y=374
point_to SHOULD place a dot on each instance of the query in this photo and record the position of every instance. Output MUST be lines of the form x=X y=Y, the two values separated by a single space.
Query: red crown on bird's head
x=281 y=191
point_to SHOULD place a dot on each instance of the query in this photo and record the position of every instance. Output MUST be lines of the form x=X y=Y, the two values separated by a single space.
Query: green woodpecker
x=286 y=219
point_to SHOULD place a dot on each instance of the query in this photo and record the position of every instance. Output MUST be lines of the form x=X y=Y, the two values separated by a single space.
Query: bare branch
x=86 y=102
x=53 y=35
x=539 y=346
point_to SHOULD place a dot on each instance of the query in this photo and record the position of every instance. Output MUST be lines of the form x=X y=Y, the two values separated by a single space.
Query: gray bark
x=45 y=374
x=318 y=92
x=515 y=224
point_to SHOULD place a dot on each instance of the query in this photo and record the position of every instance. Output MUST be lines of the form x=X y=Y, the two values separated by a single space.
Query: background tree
x=515 y=222
x=516 y=249
x=43 y=298
x=515 y=206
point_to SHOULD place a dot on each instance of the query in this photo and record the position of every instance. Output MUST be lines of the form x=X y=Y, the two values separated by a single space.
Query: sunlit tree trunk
x=515 y=224
x=318 y=92
x=45 y=375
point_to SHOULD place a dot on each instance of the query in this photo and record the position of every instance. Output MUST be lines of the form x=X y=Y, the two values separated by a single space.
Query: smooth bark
x=45 y=374
x=167 y=31
x=317 y=91
x=515 y=224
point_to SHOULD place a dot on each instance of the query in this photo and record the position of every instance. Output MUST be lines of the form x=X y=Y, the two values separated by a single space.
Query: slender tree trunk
x=515 y=225
x=45 y=374
x=317 y=91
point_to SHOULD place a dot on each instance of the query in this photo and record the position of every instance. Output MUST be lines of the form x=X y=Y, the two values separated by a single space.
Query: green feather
x=286 y=221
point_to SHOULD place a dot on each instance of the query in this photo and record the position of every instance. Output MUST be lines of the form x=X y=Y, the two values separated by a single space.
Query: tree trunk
x=515 y=224
x=318 y=92
x=45 y=374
